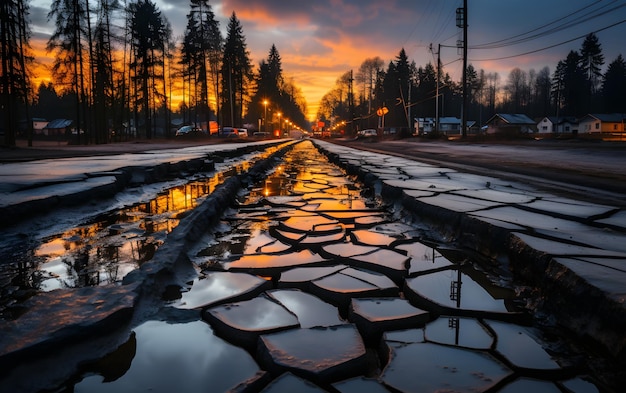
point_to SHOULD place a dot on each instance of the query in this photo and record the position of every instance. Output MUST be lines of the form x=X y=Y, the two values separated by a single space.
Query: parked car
x=261 y=134
x=229 y=132
x=189 y=130
x=368 y=133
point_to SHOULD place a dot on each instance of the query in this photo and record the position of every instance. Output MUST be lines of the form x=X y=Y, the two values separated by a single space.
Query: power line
x=489 y=44
x=555 y=29
x=553 y=46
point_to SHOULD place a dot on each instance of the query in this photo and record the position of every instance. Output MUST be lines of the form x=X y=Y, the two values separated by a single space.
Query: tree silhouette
x=14 y=61
x=614 y=86
x=149 y=34
x=236 y=72
x=67 y=42
x=200 y=55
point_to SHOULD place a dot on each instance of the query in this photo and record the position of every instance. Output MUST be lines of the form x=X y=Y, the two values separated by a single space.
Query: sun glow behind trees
x=127 y=74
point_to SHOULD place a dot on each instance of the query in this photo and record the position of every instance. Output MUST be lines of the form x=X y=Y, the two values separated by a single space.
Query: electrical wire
x=489 y=44
x=553 y=46
x=553 y=30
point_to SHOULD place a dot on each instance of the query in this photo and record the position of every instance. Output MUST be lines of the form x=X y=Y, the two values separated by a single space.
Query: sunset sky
x=320 y=40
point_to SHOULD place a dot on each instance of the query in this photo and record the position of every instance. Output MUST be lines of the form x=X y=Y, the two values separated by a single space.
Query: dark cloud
x=38 y=16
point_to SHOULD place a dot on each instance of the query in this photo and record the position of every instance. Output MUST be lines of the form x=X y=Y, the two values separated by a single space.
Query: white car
x=369 y=133
x=188 y=130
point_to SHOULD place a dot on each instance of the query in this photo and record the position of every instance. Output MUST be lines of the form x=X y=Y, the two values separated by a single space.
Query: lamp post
x=265 y=114
x=280 y=129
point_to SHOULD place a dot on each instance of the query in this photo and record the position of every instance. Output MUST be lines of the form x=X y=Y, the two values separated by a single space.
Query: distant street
x=592 y=171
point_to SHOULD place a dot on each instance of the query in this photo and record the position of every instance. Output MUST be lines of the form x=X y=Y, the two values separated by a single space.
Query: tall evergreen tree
x=236 y=74
x=614 y=86
x=574 y=86
x=592 y=61
x=68 y=42
x=399 y=79
x=103 y=83
x=201 y=44
x=280 y=95
x=149 y=34
x=570 y=87
x=427 y=91
x=14 y=61
x=557 y=87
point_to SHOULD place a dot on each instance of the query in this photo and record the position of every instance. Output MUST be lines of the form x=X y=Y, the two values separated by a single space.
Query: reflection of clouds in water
x=201 y=360
x=218 y=286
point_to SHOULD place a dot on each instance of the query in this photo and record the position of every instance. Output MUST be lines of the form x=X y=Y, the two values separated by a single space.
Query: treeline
x=575 y=88
x=117 y=70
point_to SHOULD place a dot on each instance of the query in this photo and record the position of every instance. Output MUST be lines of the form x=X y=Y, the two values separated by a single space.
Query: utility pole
x=437 y=88
x=351 y=102
x=437 y=73
x=461 y=15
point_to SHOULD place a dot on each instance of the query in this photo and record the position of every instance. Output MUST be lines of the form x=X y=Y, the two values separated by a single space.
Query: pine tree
x=202 y=43
x=149 y=34
x=68 y=42
x=614 y=86
x=592 y=60
x=236 y=74
x=14 y=61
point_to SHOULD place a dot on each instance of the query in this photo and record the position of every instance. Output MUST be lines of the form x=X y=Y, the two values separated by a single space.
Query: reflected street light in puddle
x=265 y=102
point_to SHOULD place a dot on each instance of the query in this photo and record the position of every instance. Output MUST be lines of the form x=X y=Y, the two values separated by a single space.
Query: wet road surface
x=313 y=282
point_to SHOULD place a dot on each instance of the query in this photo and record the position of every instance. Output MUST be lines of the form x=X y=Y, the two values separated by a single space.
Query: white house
x=557 y=125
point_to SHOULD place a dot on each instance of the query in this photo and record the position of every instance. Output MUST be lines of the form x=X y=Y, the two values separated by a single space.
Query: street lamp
x=265 y=115
x=280 y=129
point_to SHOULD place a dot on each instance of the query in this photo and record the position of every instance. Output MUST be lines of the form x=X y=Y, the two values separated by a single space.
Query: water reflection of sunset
x=104 y=250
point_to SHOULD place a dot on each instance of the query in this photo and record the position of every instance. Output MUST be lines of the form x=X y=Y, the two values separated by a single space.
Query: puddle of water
x=462 y=332
x=317 y=351
x=310 y=310
x=107 y=247
x=202 y=361
x=456 y=290
x=524 y=385
x=257 y=315
x=515 y=343
x=105 y=250
x=218 y=287
x=429 y=367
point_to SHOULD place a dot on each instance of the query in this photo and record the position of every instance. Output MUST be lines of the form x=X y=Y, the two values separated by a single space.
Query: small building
x=606 y=125
x=510 y=124
x=39 y=124
x=57 y=127
x=567 y=125
x=447 y=125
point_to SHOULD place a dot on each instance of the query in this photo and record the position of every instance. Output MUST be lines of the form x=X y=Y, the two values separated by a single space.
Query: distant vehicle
x=189 y=130
x=368 y=133
x=232 y=132
x=261 y=134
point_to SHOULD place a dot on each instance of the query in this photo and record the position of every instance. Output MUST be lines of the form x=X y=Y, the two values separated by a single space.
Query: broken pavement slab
x=513 y=222
x=56 y=318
